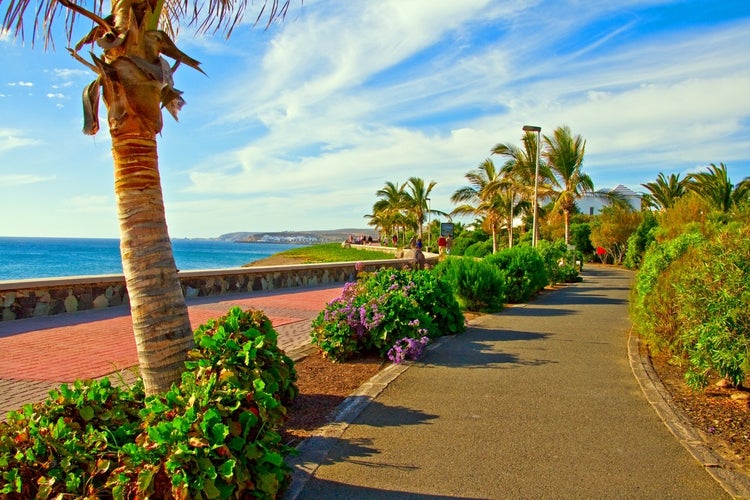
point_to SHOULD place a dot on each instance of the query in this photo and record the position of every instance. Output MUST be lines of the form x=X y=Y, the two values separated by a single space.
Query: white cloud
x=71 y=74
x=326 y=86
x=11 y=139
x=10 y=180
x=20 y=84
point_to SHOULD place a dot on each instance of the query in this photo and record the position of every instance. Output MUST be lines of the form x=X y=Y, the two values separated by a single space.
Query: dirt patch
x=323 y=385
x=723 y=422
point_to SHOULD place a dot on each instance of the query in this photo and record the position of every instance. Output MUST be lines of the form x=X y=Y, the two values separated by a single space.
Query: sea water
x=28 y=258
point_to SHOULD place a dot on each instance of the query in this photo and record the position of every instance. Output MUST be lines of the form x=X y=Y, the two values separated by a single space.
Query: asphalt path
x=537 y=401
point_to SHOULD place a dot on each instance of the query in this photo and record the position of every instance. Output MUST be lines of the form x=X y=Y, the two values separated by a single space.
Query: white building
x=592 y=203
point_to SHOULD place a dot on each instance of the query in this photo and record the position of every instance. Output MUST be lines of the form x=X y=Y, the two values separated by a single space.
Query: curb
x=734 y=482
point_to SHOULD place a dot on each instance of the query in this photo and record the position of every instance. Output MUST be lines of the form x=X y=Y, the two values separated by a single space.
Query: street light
x=538 y=130
x=429 y=239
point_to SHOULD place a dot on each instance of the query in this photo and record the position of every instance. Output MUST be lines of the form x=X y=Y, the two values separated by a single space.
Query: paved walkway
x=39 y=354
x=537 y=401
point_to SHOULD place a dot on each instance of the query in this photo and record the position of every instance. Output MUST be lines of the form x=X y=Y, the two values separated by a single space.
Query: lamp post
x=429 y=239
x=538 y=130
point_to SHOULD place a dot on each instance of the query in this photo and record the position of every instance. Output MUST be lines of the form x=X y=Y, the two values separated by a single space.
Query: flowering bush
x=407 y=348
x=381 y=307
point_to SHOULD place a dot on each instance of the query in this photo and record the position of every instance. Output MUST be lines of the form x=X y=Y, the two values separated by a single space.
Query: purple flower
x=407 y=348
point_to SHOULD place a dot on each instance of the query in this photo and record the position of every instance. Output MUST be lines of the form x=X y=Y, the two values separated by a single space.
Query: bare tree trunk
x=160 y=320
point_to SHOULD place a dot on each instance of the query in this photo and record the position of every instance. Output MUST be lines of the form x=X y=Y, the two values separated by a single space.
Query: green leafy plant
x=479 y=249
x=477 y=284
x=559 y=261
x=69 y=443
x=639 y=241
x=653 y=307
x=215 y=435
x=525 y=271
x=713 y=296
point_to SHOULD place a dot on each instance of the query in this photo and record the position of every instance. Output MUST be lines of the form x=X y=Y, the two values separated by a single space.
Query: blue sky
x=296 y=127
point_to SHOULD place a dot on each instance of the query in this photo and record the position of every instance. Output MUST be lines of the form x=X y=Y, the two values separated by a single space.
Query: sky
x=296 y=127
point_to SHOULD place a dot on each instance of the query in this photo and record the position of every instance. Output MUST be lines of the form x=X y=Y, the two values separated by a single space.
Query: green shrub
x=69 y=443
x=653 y=306
x=714 y=307
x=467 y=238
x=215 y=435
x=435 y=296
x=524 y=269
x=559 y=262
x=639 y=241
x=384 y=307
x=580 y=237
x=477 y=284
x=479 y=249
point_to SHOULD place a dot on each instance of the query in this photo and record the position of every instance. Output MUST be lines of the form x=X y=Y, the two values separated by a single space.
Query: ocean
x=28 y=258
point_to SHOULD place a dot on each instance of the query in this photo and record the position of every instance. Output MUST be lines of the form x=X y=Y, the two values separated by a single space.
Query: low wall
x=43 y=297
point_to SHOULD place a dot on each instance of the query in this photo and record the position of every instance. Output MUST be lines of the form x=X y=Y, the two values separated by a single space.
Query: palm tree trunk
x=566 y=217
x=494 y=240
x=510 y=226
x=161 y=325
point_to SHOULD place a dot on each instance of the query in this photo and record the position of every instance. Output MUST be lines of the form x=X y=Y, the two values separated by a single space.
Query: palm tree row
x=496 y=196
x=402 y=208
x=712 y=186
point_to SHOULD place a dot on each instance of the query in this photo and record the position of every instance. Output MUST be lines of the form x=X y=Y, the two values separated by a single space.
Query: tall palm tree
x=136 y=81
x=417 y=202
x=387 y=211
x=489 y=197
x=518 y=172
x=564 y=153
x=665 y=191
x=717 y=189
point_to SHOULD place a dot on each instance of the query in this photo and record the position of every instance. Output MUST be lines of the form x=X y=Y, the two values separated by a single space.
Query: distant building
x=592 y=203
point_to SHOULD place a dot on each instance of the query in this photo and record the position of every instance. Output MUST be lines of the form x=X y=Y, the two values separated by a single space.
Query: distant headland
x=300 y=237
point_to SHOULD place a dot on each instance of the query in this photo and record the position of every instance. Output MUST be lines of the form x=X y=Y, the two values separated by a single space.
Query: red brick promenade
x=38 y=354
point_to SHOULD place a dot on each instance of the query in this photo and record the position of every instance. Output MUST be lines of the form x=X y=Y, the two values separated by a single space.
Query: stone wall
x=44 y=297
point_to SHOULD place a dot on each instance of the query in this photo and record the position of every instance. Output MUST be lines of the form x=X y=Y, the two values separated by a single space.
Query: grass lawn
x=330 y=252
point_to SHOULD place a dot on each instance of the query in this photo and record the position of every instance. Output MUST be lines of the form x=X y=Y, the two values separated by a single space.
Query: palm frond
x=52 y=18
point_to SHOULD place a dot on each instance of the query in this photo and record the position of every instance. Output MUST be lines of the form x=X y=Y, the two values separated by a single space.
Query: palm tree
x=665 y=191
x=518 y=174
x=490 y=197
x=387 y=212
x=717 y=189
x=135 y=80
x=564 y=153
x=417 y=202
